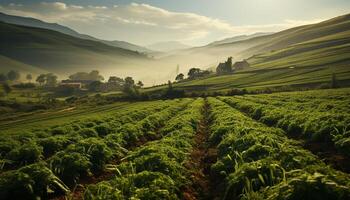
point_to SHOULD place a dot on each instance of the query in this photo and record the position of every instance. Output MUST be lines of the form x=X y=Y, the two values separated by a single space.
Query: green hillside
x=300 y=34
x=32 y=22
x=57 y=52
x=306 y=56
x=8 y=64
x=243 y=49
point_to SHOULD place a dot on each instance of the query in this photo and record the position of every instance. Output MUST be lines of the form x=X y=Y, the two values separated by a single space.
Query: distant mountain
x=168 y=46
x=32 y=22
x=238 y=38
x=127 y=45
x=49 y=50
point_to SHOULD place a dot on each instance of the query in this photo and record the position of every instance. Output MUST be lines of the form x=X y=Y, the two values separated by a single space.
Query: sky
x=192 y=22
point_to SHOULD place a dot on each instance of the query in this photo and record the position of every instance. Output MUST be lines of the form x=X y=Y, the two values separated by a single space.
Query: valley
x=156 y=100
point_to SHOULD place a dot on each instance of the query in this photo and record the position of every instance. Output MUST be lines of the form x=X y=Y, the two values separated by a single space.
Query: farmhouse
x=225 y=68
x=241 y=65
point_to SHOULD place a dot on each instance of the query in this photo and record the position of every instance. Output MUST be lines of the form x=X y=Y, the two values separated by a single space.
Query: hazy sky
x=193 y=22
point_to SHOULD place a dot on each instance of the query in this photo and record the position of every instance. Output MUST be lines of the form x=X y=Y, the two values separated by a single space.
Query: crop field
x=292 y=145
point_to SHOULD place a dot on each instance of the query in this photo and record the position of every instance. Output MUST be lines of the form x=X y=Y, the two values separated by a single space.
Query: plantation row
x=335 y=101
x=260 y=162
x=311 y=124
x=156 y=170
x=143 y=151
x=60 y=156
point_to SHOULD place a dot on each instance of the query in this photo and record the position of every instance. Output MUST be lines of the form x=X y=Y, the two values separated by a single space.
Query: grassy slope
x=8 y=64
x=56 y=117
x=312 y=54
x=283 y=39
x=54 y=51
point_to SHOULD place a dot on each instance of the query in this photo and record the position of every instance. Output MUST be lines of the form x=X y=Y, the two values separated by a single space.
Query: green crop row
x=31 y=146
x=312 y=126
x=156 y=170
x=259 y=162
x=82 y=152
x=334 y=101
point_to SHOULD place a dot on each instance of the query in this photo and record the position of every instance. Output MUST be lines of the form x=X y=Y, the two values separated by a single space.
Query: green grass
x=56 y=52
x=24 y=95
x=54 y=117
x=257 y=79
x=304 y=56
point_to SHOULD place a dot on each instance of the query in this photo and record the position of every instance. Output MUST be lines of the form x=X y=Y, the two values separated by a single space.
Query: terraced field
x=278 y=146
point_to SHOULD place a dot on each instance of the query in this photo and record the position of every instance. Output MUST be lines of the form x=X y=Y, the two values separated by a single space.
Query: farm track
x=202 y=157
x=323 y=150
x=78 y=191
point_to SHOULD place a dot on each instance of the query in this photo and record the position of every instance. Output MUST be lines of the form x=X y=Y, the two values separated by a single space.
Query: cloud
x=140 y=23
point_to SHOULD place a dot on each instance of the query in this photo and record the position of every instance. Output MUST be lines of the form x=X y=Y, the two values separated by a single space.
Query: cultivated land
x=300 y=57
x=288 y=145
x=115 y=140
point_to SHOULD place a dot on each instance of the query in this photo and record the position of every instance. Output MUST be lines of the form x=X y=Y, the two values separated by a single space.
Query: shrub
x=103 y=129
x=87 y=132
x=25 y=154
x=30 y=182
x=24 y=85
x=60 y=130
x=54 y=143
x=95 y=149
x=308 y=186
x=70 y=166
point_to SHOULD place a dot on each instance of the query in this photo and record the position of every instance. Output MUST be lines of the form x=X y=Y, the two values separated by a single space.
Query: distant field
x=24 y=95
x=56 y=117
x=263 y=78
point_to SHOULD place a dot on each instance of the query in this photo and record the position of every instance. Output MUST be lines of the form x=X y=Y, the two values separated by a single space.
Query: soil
x=329 y=154
x=201 y=158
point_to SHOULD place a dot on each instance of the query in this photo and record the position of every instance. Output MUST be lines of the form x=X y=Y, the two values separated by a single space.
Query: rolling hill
x=243 y=49
x=306 y=55
x=283 y=39
x=32 y=22
x=60 y=53
x=238 y=38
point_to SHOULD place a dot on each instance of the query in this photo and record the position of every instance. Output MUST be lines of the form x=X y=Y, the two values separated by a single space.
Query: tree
x=116 y=80
x=7 y=89
x=140 y=84
x=3 y=77
x=173 y=93
x=130 y=88
x=170 y=86
x=334 y=83
x=129 y=82
x=95 y=86
x=51 y=80
x=13 y=75
x=94 y=75
x=180 y=77
x=29 y=77
x=41 y=79
x=193 y=73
